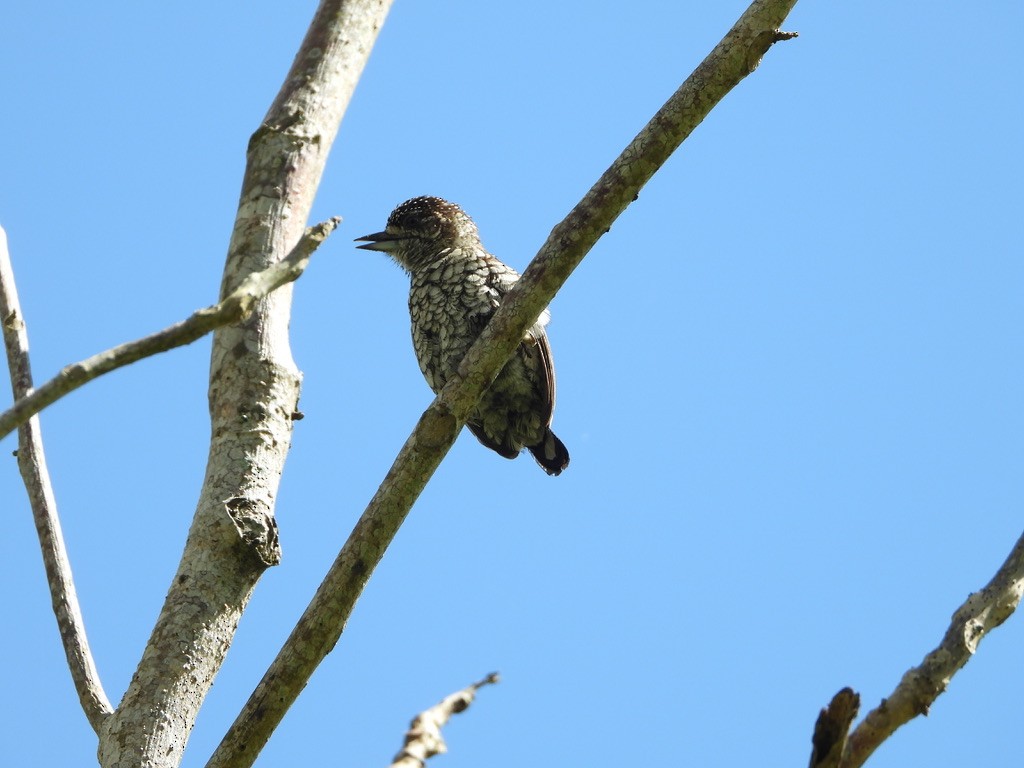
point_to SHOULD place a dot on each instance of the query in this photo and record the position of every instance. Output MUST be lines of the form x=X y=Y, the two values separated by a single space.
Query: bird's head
x=419 y=230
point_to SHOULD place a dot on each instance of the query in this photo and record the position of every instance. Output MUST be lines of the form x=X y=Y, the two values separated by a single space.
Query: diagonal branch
x=982 y=612
x=32 y=463
x=323 y=621
x=423 y=740
x=234 y=307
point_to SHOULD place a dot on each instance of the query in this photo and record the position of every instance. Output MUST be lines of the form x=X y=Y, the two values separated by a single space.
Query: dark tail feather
x=551 y=454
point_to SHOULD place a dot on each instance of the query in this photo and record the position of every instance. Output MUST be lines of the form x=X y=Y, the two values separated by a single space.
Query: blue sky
x=789 y=377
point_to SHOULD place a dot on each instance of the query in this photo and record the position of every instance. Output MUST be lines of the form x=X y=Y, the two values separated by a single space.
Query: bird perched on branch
x=456 y=285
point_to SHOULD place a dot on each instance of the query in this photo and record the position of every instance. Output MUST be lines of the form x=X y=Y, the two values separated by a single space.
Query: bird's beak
x=378 y=241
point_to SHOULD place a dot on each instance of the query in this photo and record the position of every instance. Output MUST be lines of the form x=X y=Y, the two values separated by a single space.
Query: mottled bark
x=254 y=389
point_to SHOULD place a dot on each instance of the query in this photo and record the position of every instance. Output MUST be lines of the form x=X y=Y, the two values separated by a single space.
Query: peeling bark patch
x=256 y=528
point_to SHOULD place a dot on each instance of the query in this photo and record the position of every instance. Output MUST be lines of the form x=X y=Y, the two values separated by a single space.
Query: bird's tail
x=550 y=453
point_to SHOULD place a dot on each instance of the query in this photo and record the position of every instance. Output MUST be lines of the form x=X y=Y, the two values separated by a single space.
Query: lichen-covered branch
x=234 y=307
x=423 y=740
x=253 y=396
x=982 y=612
x=36 y=476
x=323 y=621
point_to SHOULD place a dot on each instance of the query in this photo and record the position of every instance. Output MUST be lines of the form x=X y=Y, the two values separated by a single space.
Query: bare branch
x=236 y=306
x=32 y=463
x=253 y=396
x=323 y=621
x=982 y=612
x=423 y=740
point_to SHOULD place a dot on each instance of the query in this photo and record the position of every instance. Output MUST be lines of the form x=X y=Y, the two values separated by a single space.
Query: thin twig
x=322 y=623
x=423 y=740
x=32 y=463
x=982 y=612
x=232 y=308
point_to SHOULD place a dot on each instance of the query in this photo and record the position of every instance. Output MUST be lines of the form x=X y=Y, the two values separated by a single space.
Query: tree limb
x=236 y=306
x=423 y=740
x=982 y=612
x=253 y=395
x=323 y=621
x=32 y=463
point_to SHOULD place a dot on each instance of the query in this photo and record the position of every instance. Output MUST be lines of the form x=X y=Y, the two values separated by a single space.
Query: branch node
x=256 y=528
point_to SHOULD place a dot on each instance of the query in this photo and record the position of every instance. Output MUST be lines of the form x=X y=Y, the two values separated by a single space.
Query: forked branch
x=981 y=613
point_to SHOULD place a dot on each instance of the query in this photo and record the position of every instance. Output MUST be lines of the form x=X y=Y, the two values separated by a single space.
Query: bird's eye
x=425 y=226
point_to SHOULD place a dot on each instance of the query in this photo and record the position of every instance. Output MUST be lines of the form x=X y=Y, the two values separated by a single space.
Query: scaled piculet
x=456 y=287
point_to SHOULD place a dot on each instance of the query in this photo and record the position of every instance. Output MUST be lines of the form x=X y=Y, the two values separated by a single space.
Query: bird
x=455 y=287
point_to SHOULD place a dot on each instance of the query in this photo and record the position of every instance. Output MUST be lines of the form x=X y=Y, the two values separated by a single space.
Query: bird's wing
x=547 y=369
x=535 y=348
x=501 y=278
